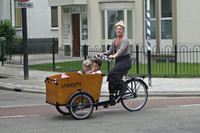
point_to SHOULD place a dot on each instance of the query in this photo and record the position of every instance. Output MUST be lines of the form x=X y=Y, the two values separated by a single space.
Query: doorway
x=76 y=34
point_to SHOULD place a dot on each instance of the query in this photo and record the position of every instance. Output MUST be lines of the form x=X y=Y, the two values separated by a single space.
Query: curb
x=105 y=94
x=22 y=90
x=165 y=94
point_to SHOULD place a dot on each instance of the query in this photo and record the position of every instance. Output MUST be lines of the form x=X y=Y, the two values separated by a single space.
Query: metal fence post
x=149 y=67
x=10 y=49
x=2 y=59
x=85 y=51
x=108 y=63
x=21 y=51
x=137 y=60
x=53 y=52
x=175 y=60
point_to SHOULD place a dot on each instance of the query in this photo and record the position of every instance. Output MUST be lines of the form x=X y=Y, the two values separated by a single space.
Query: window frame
x=14 y=16
x=52 y=17
x=158 y=10
x=105 y=21
x=81 y=11
x=165 y=19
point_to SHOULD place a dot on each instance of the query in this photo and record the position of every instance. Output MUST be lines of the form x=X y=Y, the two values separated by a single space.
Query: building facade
x=42 y=21
x=92 y=22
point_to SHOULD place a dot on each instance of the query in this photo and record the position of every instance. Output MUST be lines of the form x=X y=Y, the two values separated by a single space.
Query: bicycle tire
x=81 y=106
x=136 y=96
x=62 y=109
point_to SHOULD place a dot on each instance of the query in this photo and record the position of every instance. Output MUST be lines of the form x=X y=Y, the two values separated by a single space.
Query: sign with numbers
x=24 y=4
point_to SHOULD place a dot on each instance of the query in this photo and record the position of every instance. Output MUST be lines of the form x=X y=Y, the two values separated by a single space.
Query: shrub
x=6 y=29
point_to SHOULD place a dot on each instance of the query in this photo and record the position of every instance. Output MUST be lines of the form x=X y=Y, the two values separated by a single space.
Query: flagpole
x=149 y=41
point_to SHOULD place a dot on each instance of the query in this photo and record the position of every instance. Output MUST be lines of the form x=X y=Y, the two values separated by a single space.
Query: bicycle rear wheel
x=136 y=96
x=81 y=106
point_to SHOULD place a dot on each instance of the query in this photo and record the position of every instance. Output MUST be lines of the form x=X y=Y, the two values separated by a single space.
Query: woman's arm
x=113 y=56
x=111 y=49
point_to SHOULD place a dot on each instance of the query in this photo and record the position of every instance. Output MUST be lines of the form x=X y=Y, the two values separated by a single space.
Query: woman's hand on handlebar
x=101 y=54
x=113 y=56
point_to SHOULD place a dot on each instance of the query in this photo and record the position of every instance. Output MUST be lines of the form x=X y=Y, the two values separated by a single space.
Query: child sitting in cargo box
x=96 y=66
x=86 y=66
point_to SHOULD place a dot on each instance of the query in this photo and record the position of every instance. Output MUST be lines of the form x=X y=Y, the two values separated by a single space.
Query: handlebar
x=104 y=57
x=52 y=80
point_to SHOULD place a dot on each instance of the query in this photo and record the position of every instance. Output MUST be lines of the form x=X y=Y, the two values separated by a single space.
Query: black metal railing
x=180 y=60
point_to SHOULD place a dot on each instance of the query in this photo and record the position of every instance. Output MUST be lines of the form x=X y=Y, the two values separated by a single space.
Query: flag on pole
x=149 y=41
x=148 y=26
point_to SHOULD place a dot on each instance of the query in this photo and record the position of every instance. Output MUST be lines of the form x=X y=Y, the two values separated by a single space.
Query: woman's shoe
x=111 y=98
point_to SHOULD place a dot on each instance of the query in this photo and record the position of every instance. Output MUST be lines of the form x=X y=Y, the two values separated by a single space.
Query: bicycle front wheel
x=136 y=96
x=81 y=106
x=62 y=109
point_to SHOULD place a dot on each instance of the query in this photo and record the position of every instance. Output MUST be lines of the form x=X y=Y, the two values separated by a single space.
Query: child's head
x=86 y=65
x=96 y=64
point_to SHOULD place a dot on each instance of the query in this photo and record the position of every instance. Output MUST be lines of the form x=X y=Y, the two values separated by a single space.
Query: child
x=96 y=66
x=86 y=66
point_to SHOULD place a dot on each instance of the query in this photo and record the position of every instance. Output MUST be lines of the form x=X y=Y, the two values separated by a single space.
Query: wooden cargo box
x=65 y=87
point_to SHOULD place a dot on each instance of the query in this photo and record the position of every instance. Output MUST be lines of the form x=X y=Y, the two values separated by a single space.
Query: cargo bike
x=77 y=95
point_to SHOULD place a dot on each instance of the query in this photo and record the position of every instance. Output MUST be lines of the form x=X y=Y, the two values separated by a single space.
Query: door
x=76 y=34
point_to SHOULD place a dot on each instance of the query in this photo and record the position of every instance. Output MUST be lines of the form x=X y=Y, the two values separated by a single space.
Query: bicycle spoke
x=136 y=97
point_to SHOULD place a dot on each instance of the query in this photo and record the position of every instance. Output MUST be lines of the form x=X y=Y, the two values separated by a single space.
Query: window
x=166 y=29
x=109 y=20
x=113 y=18
x=166 y=8
x=18 y=16
x=82 y=10
x=166 y=19
x=103 y=25
x=54 y=17
x=153 y=8
x=153 y=18
x=84 y=26
x=153 y=29
x=130 y=24
x=77 y=9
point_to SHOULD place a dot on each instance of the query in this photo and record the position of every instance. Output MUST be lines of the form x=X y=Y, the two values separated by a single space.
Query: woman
x=120 y=51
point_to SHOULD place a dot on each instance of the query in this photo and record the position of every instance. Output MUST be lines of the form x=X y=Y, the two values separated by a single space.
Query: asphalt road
x=28 y=113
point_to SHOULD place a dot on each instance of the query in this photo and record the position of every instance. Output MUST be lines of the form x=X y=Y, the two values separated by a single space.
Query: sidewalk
x=12 y=78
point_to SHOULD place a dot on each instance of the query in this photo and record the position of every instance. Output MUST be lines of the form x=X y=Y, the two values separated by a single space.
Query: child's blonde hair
x=87 y=63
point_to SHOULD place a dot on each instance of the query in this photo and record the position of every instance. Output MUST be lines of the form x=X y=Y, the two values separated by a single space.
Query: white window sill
x=18 y=29
x=54 y=28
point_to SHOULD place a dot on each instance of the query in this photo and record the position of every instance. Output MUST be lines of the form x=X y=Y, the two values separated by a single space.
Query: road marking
x=32 y=105
x=190 y=105
x=17 y=116
x=107 y=110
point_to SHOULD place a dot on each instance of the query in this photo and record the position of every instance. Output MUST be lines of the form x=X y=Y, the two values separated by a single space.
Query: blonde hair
x=120 y=23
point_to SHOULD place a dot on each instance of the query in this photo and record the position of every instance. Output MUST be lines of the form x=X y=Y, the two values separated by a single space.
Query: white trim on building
x=181 y=27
